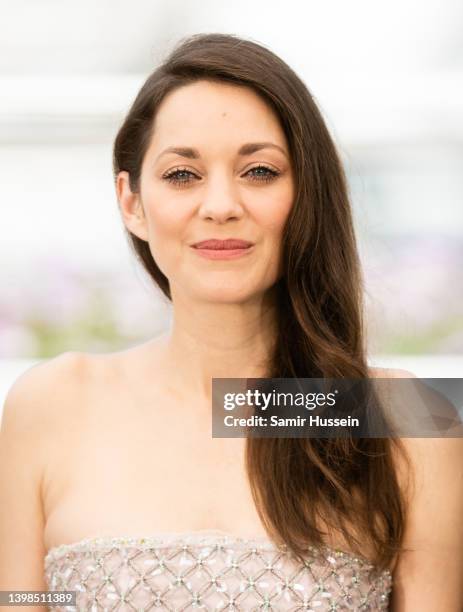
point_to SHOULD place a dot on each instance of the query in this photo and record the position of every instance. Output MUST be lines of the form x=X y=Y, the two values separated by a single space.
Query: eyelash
x=172 y=176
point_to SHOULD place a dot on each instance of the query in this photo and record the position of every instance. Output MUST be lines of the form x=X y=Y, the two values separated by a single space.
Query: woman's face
x=217 y=167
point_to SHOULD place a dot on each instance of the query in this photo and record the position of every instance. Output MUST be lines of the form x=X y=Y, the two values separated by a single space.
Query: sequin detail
x=211 y=570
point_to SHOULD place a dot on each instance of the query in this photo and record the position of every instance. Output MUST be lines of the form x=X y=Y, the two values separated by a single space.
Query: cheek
x=272 y=213
x=165 y=216
x=167 y=220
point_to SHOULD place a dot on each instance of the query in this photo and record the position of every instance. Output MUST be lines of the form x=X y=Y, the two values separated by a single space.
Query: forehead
x=209 y=111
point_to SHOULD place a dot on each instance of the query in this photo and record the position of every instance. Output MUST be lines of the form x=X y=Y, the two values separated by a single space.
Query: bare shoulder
x=45 y=370
x=423 y=456
x=34 y=392
x=48 y=398
x=53 y=387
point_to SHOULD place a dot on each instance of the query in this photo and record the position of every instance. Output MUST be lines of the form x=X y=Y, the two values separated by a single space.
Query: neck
x=218 y=340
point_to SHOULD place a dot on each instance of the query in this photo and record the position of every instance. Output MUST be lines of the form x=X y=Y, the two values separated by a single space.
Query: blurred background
x=388 y=79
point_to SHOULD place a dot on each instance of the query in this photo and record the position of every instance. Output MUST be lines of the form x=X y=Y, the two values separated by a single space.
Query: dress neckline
x=202 y=537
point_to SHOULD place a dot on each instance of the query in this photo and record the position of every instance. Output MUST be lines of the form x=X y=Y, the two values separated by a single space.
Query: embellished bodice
x=211 y=570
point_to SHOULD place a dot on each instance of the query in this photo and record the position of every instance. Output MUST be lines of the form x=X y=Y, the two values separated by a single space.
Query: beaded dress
x=211 y=570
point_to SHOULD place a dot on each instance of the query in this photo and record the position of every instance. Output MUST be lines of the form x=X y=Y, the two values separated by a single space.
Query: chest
x=128 y=469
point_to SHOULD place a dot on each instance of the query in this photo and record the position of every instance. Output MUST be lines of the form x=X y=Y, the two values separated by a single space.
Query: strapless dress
x=211 y=570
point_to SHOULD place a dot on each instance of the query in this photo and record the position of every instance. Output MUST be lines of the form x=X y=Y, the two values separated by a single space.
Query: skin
x=84 y=436
x=223 y=313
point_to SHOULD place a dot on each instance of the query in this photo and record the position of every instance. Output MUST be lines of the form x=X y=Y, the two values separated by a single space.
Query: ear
x=131 y=207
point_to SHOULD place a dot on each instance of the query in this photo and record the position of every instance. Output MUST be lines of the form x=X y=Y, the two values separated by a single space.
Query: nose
x=220 y=200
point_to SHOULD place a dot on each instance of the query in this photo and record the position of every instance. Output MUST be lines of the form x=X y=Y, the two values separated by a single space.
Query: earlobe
x=131 y=207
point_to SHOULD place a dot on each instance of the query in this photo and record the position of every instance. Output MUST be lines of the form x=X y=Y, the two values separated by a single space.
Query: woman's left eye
x=267 y=175
x=182 y=176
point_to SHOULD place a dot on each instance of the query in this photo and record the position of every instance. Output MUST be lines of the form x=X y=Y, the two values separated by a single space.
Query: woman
x=111 y=482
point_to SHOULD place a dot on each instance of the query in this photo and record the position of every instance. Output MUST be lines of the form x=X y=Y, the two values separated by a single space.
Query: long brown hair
x=294 y=481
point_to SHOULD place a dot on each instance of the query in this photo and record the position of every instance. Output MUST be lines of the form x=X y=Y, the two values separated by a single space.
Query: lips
x=217 y=245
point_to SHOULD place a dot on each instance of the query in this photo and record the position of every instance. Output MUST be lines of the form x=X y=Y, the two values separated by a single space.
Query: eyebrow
x=246 y=149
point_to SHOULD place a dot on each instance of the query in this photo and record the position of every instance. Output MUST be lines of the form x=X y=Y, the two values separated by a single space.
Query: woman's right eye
x=179 y=177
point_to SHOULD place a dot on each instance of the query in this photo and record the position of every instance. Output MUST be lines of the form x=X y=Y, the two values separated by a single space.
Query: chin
x=225 y=295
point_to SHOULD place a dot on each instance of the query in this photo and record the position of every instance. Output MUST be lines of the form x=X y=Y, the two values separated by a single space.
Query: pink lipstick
x=231 y=248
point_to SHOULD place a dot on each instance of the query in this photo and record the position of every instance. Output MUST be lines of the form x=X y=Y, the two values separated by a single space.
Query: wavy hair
x=349 y=483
